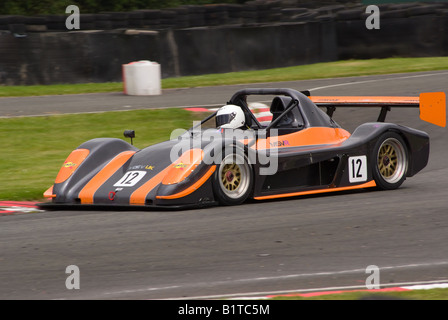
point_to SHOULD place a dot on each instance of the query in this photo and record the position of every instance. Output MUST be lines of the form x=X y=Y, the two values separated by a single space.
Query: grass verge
x=423 y=294
x=313 y=71
x=34 y=148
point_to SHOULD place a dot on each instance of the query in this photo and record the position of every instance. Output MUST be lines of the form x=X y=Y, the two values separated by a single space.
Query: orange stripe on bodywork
x=193 y=187
x=71 y=164
x=364 y=100
x=49 y=193
x=138 y=197
x=183 y=166
x=369 y=184
x=174 y=173
x=87 y=193
x=305 y=137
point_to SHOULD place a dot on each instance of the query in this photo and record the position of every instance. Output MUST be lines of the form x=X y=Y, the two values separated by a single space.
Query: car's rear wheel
x=233 y=179
x=390 y=157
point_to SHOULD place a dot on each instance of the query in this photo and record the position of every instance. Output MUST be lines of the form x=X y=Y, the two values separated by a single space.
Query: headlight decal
x=71 y=164
x=183 y=166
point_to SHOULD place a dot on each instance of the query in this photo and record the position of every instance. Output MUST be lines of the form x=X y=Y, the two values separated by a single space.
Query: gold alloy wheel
x=387 y=160
x=391 y=161
x=234 y=176
x=231 y=176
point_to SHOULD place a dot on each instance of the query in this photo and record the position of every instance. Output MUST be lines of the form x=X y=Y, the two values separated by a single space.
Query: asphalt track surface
x=279 y=246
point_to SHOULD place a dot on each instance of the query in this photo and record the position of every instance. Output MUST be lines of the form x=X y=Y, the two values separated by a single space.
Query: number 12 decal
x=130 y=179
x=357 y=169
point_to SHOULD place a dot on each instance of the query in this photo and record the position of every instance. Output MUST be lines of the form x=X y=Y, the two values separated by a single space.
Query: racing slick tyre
x=233 y=179
x=390 y=161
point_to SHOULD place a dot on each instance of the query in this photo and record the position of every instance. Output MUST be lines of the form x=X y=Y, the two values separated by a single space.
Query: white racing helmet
x=230 y=117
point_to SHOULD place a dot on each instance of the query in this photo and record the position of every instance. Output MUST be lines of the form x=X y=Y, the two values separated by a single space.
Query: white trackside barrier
x=142 y=78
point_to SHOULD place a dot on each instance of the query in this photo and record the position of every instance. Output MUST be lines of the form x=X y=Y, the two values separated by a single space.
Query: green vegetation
x=34 y=148
x=34 y=7
x=431 y=294
x=336 y=69
x=58 y=89
x=313 y=71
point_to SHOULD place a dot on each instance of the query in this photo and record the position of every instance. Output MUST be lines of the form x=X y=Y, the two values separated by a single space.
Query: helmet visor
x=223 y=119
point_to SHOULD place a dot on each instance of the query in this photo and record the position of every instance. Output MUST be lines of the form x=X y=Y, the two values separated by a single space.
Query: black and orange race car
x=301 y=151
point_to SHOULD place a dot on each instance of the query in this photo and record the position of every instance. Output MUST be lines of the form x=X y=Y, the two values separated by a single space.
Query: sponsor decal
x=69 y=165
x=142 y=167
x=279 y=143
x=180 y=165
x=112 y=195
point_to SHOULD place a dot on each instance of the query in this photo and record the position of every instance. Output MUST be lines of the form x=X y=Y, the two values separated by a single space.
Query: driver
x=230 y=117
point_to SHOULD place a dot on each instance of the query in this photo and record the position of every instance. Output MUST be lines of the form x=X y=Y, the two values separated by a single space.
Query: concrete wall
x=226 y=49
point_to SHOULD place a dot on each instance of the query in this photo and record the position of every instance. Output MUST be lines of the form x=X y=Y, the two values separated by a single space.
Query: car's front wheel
x=233 y=179
x=390 y=161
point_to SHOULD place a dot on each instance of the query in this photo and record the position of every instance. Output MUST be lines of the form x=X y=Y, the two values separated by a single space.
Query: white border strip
x=264 y=295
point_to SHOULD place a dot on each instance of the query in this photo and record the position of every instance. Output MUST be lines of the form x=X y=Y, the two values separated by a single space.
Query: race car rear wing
x=432 y=105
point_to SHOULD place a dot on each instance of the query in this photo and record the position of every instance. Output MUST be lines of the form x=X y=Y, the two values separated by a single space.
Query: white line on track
x=376 y=80
x=262 y=295
x=218 y=105
x=276 y=278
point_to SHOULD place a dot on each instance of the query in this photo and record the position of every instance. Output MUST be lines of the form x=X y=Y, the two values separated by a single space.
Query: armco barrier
x=250 y=37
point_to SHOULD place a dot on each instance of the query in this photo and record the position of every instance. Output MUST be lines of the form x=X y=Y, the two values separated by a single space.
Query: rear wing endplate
x=432 y=105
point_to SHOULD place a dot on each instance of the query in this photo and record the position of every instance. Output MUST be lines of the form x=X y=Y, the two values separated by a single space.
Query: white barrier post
x=142 y=78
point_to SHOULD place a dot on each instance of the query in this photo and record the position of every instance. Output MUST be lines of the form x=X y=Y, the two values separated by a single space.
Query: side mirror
x=129 y=134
